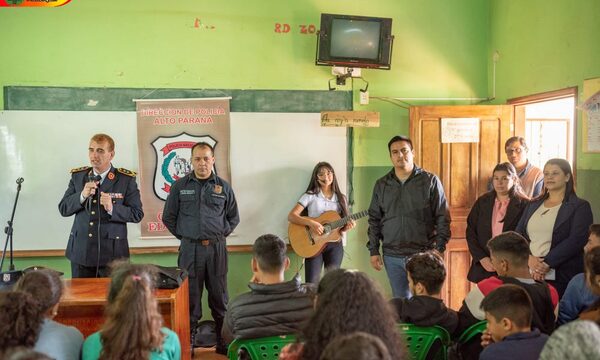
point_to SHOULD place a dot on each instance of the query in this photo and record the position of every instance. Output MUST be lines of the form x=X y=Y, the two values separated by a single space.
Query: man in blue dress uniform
x=103 y=199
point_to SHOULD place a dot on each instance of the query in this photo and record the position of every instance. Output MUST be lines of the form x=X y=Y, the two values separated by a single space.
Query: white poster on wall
x=460 y=130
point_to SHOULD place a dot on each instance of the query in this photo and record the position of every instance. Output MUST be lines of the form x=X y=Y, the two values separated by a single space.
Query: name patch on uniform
x=218 y=189
x=187 y=192
x=116 y=195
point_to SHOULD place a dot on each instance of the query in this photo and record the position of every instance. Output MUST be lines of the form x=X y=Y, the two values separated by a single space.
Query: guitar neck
x=343 y=221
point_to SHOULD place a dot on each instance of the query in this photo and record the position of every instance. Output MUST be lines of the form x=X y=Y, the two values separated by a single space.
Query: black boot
x=221 y=345
x=193 y=328
x=221 y=348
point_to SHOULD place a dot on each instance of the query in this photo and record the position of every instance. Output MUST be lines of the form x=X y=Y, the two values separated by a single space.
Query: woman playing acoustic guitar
x=323 y=194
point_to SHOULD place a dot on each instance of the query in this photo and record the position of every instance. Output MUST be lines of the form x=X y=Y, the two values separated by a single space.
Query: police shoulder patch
x=80 y=169
x=126 y=172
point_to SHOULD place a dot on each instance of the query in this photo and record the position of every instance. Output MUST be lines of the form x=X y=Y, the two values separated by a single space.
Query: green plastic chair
x=420 y=341
x=468 y=342
x=266 y=348
x=474 y=330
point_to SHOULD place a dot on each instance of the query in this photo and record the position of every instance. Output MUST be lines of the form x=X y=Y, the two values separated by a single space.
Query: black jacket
x=425 y=311
x=408 y=218
x=269 y=310
x=199 y=210
x=82 y=248
x=479 y=229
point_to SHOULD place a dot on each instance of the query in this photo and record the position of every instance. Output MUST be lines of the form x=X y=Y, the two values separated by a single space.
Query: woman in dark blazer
x=556 y=254
x=494 y=212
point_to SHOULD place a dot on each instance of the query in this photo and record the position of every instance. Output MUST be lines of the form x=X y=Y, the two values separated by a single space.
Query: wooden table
x=82 y=306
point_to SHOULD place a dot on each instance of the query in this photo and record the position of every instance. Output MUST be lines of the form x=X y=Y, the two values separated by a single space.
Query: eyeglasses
x=515 y=150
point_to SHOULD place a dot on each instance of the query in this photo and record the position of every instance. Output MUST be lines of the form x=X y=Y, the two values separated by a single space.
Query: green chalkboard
x=120 y=99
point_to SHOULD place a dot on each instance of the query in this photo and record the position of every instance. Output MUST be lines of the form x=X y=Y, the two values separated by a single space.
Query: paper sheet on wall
x=591 y=115
x=460 y=130
x=593 y=135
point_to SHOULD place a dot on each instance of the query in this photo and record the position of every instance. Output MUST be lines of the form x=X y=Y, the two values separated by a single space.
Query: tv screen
x=355 y=41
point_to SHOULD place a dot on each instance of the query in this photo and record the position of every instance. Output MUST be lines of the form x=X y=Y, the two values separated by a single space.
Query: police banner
x=167 y=130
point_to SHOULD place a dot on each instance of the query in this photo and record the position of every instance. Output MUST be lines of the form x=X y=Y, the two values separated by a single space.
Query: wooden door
x=464 y=169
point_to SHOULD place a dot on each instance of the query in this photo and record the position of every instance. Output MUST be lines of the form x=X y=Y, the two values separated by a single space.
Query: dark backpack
x=170 y=277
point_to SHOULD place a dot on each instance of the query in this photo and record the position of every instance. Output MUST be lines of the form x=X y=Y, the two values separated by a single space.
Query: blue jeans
x=332 y=258
x=395 y=267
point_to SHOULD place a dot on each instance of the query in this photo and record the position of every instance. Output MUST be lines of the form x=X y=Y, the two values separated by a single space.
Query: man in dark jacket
x=201 y=211
x=426 y=275
x=273 y=306
x=103 y=199
x=408 y=214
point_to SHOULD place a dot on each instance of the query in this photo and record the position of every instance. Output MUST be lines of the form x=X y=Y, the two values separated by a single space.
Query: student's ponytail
x=133 y=323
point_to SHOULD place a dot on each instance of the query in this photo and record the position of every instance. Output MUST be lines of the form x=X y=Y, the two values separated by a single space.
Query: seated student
x=509 y=253
x=579 y=339
x=356 y=346
x=56 y=340
x=508 y=313
x=20 y=320
x=273 y=306
x=426 y=275
x=592 y=275
x=347 y=301
x=133 y=327
x=579 y=295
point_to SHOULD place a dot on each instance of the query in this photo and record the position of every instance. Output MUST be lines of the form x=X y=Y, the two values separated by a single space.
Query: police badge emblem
x=173 y=159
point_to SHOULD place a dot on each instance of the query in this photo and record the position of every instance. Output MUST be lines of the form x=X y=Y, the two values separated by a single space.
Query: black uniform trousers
x=207 y=266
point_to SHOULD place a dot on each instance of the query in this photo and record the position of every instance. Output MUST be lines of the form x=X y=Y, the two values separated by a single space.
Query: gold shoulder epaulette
x=79 y=169
x=126 y=172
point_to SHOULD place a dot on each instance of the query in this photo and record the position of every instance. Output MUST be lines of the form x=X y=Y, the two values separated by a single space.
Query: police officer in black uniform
x=103 y=200
x=201 y=211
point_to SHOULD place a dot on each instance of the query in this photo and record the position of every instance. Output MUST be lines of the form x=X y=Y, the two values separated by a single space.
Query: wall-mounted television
x=355 y=41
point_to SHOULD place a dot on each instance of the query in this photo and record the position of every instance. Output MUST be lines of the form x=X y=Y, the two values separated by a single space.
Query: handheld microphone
x=91 y=178
x=94 y=178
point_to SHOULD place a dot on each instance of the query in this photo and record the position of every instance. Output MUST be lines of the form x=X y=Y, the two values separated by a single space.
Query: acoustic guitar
x=307 y=243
